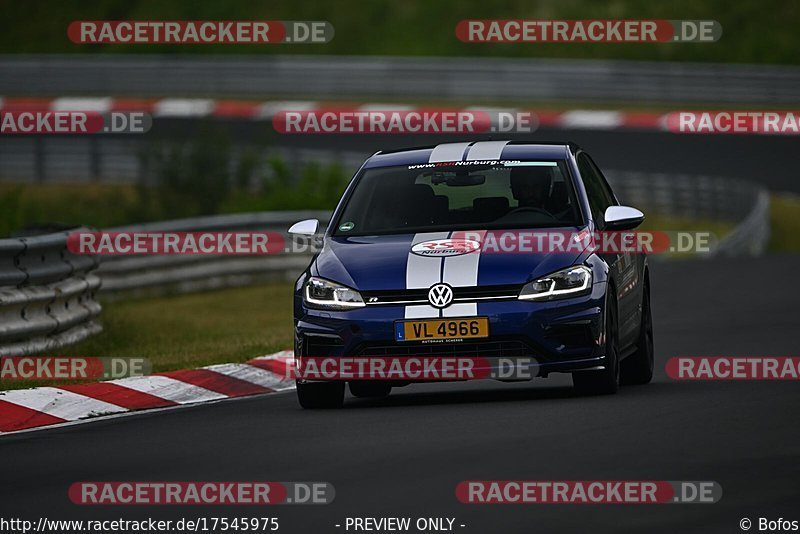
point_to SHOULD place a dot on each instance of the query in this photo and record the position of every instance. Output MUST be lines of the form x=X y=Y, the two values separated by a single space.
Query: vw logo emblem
x=440 y=295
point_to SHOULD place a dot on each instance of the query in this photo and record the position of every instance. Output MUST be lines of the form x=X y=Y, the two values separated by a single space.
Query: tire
x=370 y=390
x=319 y=395
x=603 y=381
x=638 y=368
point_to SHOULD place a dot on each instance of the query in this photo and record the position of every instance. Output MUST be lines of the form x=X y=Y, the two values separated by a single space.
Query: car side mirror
x=622 y=218
x=308 y=227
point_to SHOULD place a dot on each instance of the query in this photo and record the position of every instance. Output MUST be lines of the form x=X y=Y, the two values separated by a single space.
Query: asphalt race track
x=404 y=456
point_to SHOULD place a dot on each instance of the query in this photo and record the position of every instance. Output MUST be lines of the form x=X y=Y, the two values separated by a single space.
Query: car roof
x=472 y=150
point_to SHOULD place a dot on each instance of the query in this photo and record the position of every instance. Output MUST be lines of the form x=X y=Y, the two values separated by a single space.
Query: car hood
x=387 y=262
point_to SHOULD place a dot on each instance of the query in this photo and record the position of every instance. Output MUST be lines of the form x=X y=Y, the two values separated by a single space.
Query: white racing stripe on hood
x=421 y=273
x=490 y=150
x=458 y=271
x=462 y=271
x=448 y=152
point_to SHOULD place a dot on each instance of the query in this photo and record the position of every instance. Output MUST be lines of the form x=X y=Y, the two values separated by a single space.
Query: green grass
x=98 y=205
x=185 y=331
x=660 y=223
x=754 y=31
x=655 y=222
x=230 y=325
x=785 y=223
x=188 y=188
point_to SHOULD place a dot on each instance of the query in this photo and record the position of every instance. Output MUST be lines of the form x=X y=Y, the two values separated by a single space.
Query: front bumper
x=556 y=336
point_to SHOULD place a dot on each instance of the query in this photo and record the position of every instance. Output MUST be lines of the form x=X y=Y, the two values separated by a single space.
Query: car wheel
x=320 y=394
x=370 y=390
x=603 y=381
x=638 y=367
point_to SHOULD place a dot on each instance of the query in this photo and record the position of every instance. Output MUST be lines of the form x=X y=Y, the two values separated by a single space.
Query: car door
x=622 y=265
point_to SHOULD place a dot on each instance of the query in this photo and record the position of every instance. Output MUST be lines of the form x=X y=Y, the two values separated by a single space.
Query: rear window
x=470 y=195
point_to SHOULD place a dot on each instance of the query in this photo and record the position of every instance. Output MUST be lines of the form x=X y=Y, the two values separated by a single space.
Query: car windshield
x=468 y=195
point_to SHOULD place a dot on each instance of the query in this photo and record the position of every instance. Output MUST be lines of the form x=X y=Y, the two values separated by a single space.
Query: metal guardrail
x=690 y=196
x=186 y=273
x=750 y=237
x=46 y=295
x=330 y=77
x=743 y=204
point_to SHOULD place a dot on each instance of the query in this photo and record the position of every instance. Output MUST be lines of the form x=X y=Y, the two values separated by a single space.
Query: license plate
x=432 y=329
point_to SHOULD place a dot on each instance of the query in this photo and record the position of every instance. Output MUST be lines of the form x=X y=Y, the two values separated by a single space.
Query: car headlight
x=327 y=295
x=566 y=282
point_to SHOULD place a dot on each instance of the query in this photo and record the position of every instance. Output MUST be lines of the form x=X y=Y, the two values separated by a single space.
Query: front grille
x=487 y=349
x=421 y=295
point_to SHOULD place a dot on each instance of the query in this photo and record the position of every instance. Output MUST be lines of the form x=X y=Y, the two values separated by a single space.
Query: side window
x=593 y=182
x=607 y=192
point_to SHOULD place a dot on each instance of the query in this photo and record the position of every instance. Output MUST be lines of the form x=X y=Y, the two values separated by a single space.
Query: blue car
x=429 y=254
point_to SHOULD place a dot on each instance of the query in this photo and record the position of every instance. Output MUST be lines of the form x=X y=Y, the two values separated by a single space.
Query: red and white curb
x=44 y=406
x=578 y=119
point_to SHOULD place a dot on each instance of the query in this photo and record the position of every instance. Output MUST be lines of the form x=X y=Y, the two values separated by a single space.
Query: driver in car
x=530 y=186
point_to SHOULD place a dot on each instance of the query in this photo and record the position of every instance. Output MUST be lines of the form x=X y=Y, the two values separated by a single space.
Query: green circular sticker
x=346 y=227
